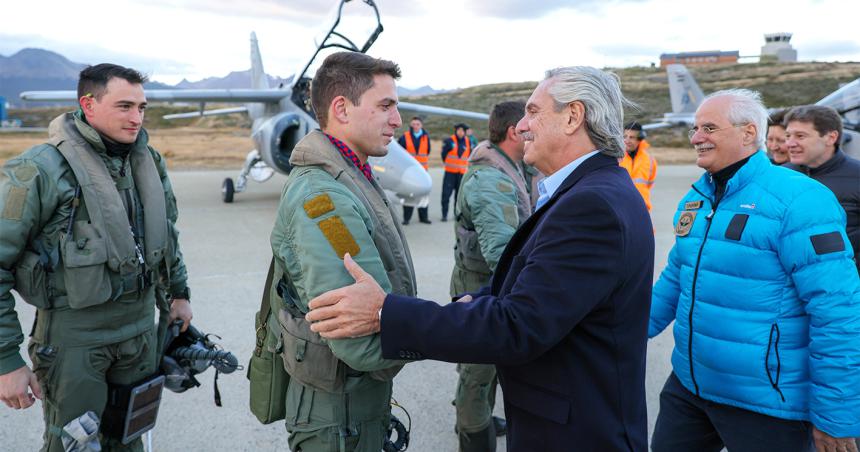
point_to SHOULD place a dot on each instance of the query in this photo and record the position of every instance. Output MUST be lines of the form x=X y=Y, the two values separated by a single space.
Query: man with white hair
x=764 y=295
x=565 y=316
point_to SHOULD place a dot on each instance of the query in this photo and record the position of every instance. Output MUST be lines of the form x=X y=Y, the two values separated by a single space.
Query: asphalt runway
x=227 y=252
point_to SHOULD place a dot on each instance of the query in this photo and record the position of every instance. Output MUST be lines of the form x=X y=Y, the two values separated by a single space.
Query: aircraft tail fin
x=683 y=89
x=258 y=75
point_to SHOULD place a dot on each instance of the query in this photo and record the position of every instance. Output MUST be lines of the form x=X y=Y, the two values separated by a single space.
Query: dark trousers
x=407 y=213
x=690 y=423
x=450 y=184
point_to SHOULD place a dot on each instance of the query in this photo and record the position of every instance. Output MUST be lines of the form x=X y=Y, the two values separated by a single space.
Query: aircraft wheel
x=227 y=190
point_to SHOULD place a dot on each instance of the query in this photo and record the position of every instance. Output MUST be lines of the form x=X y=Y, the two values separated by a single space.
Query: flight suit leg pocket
x=87 y=276
x=31 y=280
x=46 y=361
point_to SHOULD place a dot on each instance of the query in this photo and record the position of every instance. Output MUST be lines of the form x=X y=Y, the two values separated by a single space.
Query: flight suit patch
x=693 y=205
x=505 y=188
x=318 y=206
x=14 y=208
x=510 y=214
x=339 y=237
x=25 y=172
x=685 y=223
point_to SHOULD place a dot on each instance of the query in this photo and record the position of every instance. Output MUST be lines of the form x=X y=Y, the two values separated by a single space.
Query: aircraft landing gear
x=255 y=168
x=227 y=190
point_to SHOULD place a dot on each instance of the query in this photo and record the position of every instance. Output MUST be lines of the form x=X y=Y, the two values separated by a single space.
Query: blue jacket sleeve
x=664 y=297
x=814 y=250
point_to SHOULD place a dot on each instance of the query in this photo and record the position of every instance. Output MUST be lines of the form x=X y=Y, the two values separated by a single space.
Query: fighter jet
x=283 y=115
x=686 y=97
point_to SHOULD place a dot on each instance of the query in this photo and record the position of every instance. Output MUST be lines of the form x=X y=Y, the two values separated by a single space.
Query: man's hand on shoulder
x=15 y=388
x=351 y=311
x=827 y=443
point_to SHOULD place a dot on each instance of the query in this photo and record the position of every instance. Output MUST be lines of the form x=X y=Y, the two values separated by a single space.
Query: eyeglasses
x=707 y=130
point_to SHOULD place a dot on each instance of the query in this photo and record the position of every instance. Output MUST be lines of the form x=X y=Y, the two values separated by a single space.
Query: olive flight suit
x=89 y=239
x=339 y=390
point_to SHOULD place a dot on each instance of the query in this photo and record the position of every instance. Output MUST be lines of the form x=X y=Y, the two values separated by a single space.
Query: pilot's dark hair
x=777 y=118
x=94 y=79
x=823 y=119
x=347 y=74
x=504 y=115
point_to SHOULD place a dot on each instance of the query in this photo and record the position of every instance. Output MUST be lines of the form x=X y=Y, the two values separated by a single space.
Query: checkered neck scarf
x=347 y=152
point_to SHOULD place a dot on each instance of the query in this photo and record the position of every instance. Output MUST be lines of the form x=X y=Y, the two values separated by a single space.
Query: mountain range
x=34 y=69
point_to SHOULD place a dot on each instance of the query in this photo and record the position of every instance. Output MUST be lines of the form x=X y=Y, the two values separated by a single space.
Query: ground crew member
x=416 y=141
x=493 y=201
x=88 y=236
x=338 y=396
x=638 y=162
x=455 y=160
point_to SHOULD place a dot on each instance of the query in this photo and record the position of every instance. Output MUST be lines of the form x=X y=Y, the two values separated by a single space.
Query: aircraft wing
x=657 y=125
x=216 y=112
x=177 y=95
x=441 y=111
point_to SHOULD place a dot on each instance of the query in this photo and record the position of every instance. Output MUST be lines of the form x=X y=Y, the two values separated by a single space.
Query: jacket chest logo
x=685 y=223
x=693 y=205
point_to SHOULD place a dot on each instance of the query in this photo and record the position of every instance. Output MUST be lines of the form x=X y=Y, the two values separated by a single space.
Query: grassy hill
x=781 y=84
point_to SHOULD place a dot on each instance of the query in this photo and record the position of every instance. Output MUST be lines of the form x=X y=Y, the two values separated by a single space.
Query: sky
x=446 y=44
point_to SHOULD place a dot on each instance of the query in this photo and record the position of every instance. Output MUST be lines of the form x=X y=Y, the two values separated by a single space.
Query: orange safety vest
x=643 y=171
x=422 y=154
x=458 y=164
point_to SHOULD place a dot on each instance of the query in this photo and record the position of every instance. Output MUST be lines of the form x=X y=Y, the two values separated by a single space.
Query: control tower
x=777 y=47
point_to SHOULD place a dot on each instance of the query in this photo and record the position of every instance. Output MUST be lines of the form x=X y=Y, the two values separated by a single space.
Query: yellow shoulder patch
x=318 y=206
x=14 y=205
x=339 y=237
x=505 y=187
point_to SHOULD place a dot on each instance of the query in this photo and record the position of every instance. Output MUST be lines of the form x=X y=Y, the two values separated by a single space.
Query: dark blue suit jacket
x=565 y=319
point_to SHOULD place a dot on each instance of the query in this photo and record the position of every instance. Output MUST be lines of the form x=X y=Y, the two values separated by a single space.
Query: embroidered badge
x=14 y=208
x=318 y=206
x=505 y=187
x=693 y=205
x=510 y=214
x=685 y=223
x=339 y=237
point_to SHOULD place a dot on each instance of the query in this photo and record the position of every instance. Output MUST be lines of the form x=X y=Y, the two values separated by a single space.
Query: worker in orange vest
x=416 y=141
x=638 y=162
x=455 y=160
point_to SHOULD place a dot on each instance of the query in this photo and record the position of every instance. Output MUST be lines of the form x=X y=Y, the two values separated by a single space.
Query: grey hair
x=746 y=108
x=600 y=93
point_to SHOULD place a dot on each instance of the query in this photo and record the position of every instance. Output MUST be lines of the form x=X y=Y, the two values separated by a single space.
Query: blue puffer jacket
x=765 y=298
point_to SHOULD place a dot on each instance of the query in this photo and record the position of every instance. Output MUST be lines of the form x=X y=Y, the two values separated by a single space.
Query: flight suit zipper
x=130 y=208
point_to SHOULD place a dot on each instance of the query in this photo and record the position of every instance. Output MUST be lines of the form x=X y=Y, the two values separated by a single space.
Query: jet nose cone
x=415 y=182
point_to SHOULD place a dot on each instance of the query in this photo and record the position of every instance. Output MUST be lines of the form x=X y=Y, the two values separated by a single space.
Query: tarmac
x=227 y=252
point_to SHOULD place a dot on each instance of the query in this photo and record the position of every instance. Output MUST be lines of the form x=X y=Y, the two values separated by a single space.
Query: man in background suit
x=565 y=318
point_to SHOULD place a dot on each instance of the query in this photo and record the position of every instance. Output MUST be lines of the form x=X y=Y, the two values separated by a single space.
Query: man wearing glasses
x=764 y=295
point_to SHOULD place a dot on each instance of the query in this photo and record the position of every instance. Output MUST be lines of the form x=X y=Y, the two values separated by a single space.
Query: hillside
x=780 y=85
x=187 y=145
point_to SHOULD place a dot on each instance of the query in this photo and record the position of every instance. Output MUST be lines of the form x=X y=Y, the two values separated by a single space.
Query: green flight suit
x=339 y=391
x=493 y=202
x=95 y=314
